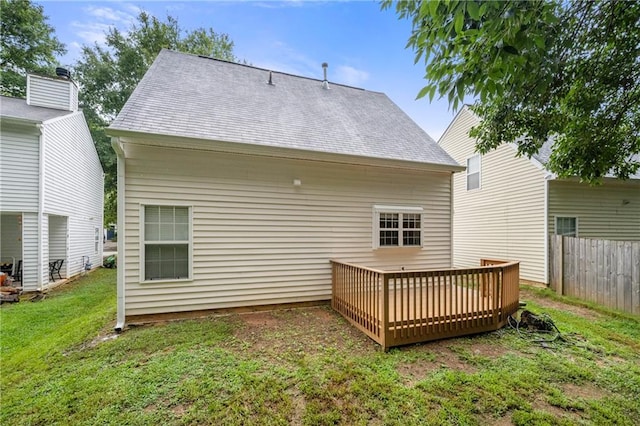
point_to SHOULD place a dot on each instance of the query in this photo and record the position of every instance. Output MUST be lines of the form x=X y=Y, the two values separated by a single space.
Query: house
x=51 y=185
x=237 y=185
x=507 y=206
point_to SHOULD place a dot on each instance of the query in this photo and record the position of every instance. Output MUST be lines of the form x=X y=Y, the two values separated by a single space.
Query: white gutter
x=41 y=165
x=120 y=316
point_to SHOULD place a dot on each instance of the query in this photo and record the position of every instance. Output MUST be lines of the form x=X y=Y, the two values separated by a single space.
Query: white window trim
x=375 y=229
x=555 y=224
x=142 y=239
x=466 y=182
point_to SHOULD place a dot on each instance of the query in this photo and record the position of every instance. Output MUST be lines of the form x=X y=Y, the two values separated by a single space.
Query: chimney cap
x=63 y=72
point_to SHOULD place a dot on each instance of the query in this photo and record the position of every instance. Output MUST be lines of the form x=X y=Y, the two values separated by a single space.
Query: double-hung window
x=567 y=226
x=473 y=172
x=166 y=242
x=397 y=226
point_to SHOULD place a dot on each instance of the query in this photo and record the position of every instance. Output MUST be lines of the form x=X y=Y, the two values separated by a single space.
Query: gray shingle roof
x=203 y=98
x=17 y=108
x=546 y=149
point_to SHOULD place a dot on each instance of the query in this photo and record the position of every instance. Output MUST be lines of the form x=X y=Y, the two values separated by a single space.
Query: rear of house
x=51 y=185
x=507 y=206
x=240 y=192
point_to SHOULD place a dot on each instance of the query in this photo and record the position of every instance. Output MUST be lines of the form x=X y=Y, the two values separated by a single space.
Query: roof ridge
x=269 y=70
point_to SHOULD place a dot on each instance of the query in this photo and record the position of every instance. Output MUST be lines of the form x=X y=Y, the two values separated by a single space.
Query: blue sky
x=364 y=46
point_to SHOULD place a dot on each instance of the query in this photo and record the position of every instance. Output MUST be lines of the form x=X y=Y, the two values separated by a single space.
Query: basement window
x=567 y=226
x=166 y=240
x=397 y=226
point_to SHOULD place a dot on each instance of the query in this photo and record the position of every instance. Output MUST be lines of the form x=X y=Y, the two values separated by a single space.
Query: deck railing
x=402 y=307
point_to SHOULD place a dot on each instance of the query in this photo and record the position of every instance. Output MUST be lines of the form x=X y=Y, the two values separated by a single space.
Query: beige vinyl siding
x=19 y=168
x=58 y=241
x=30 y=252
x=259 y=239
x=52 y=93
x=504 y=218
x=609 y=211
x=11 y=241
x=74 y=187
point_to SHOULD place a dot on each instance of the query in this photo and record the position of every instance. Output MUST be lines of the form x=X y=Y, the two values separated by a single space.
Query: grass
x=61 y=365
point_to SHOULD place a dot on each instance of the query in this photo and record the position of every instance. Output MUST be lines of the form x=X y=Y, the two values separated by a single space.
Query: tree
x=108 y=75
x=27 y=44
x=539 y=69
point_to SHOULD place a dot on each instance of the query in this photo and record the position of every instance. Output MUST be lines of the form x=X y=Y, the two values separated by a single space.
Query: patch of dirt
x=443 y=357
x=299 y=404
x=179 y=409
x=584 y=391
x=293 y=333
x=552 y=304
x=259 y=319
x=486 y=350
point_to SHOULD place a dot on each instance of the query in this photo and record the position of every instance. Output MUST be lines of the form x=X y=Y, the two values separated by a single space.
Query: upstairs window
x=567 y=226
x=397 y=226
x=167 y=243
x=473 y=172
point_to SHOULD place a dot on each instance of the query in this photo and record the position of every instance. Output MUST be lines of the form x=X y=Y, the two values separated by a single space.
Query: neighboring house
x=237 y=185
x=51 y=184
x=507 y=206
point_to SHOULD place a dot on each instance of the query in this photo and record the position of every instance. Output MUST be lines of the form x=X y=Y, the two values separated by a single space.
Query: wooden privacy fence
x=402 y=307
x=601 y=271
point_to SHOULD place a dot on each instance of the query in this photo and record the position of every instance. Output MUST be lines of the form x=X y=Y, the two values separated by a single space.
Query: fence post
x=559 y=260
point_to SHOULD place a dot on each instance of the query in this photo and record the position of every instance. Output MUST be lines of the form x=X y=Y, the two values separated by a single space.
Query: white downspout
x=41 y=185
x=120 y=316
x=451 y=218
x=546 y=228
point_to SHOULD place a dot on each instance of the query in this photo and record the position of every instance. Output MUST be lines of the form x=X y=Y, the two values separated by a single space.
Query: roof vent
x=63 y=72
x=325 y=83
x=270 y=82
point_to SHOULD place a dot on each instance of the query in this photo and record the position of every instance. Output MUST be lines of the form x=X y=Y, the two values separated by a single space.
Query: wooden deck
x=402 y=307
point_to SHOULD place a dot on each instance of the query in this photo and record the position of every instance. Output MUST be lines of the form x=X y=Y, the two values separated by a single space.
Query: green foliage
x=108 y=75
x=27 y=45
x=539 y=70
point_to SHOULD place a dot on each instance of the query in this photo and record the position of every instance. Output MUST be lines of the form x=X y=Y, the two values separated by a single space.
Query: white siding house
x=51 y=184
x=239 y=192
x=508 y=206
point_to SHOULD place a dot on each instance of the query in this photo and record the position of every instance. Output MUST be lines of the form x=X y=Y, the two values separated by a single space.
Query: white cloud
x=91 y=32
x=350 y=76
x=106 y=13
x=99 y=19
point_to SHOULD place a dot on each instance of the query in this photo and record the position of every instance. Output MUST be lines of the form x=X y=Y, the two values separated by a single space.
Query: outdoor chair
x=17 y=273
x=54 y=269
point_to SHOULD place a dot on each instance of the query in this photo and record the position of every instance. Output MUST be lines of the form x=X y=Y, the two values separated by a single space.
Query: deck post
x=385 y=335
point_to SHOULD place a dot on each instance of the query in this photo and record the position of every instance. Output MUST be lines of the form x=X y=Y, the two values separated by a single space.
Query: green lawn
x=61 y=364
